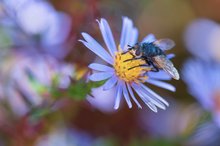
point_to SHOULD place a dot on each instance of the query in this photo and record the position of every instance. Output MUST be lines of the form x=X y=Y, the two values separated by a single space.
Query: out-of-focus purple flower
x=202 y=39
x=102 y=100
x=118 y=73
x=178 y=120
x=35 y=17
x=26 y=80
x=203 y=81
x=39 y=18
x=65 y=137
x=206 y=134
x=11 y=4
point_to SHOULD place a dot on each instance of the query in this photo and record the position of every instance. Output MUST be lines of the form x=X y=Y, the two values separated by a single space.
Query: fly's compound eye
x=137 y=53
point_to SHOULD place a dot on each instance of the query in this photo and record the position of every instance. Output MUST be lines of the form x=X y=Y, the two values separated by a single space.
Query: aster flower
x=203 y=81
x=116 y=72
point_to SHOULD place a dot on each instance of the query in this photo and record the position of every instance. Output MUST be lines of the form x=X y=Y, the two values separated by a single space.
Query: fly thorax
x=149 y=49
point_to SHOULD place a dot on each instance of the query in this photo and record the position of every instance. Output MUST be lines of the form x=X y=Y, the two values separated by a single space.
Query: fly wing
x=164 y=63
x=164 y=44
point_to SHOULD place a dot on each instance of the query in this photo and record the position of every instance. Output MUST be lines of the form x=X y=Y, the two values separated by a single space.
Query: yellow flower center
x=130 y=71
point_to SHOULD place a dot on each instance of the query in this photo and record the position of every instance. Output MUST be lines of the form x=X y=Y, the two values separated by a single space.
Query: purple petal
x=152 y=98
x=16 y=102
x=195 y=73
x=146 y=101
x=161 y=75
x=126 y=95
x=162 y=84
x=148 y=98
x=134 y=38
x=118 y=95
x=170 y=56
x=126 y=34
x=95 y=47
x=136 y=89
x=151 y=92
x=152 y=107
x=133 y=97
x=110 y=83
x=100 y=76
x=143 y=97
x=108 y=37
x=149 y=39
x=100 y=67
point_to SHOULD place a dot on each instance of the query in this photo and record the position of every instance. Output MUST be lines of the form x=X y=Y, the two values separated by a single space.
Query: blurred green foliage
x=80 y=89
x=5 y=40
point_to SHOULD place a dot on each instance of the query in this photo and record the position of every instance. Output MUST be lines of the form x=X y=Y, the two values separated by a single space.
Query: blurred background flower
x=38 y=25
x=206 y=134
x=26 y=82
x=201 y=73
x=102 y=100
x=201 y=39
x=172 y=126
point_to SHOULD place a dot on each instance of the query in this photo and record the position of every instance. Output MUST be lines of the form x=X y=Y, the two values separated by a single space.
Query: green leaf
x=80 y=89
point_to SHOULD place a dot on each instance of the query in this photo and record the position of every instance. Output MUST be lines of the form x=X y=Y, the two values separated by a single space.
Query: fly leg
x=133 y=59
x=154 y=68
x=141 y=65
x=128 y=51
x=125 y=52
